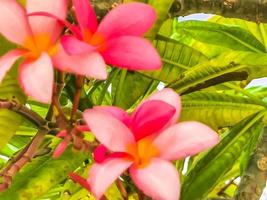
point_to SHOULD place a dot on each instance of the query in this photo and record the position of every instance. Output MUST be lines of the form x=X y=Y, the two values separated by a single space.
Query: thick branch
x=22 y=158
x=253 y=10
x=24 y=111
x=76 y=99
x=255 y=176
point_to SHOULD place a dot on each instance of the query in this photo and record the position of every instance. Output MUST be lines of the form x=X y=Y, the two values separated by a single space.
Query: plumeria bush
x=131 y=105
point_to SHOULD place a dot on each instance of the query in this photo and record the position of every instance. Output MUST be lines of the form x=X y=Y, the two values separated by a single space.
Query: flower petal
x=185 y=139
x=108 y=130
x=100 y=153
x=85 y=15
x=132 y=53
x=7 y=61
x=74 y=46
x=37 y=78
x=87 y=64
x=127 y=19
x=62 y=146
x=150 y=118
x=159 y=180
x=102 y=175
x=78 y=179
x=13 y=22
x=116 y=112
x=43 y=24
x=171 y=97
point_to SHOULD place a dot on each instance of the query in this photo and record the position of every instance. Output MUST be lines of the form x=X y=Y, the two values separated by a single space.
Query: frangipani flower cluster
x=144 y=143
x=116 y=41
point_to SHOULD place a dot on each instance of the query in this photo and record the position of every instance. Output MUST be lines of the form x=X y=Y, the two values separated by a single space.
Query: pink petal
x=87 y=64
x=108 y=130
x=159 y=180
x=72 y=27
x=171 y=97
x=185 y=139
x=7 y=61
x=116 y=112
x=127 y=19
x=101 y=176
x=60 y=148
x=85 y=15
x=83 y=128
x=100 y=153
x=62 y=134
x=150 y=118
x=74 y=46
x=132 y=53
x=78 y=179
x=48 y=25
x=37 y=78
x=13 y=22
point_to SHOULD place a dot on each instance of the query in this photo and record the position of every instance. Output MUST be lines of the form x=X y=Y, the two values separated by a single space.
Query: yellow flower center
x=37 y=44
x=142 y=152
x=96 y=39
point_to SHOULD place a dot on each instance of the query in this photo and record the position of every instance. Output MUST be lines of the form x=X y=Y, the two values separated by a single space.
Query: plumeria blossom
x=37 y=39
x=117 y=38
x=144 y=143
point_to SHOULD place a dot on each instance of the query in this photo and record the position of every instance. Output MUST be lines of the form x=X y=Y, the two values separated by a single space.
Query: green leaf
x=229 y=66
x=129 y=87
x=176 y=57
x=217 y=109
x=232 y=37
x=259 y=30
x=208 y=171
x=162 y=8
x=42 y=174
x=5 y=45
x=9 y=89
x=251 y=146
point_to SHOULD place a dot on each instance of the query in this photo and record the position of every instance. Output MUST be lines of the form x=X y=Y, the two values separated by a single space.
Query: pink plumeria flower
x=117 y=38
x=144 y=142
x=37 y=37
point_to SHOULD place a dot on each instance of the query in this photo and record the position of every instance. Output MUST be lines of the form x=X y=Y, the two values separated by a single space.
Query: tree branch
x=24 y=111
x=254 y=179
x=22 y=158
x=252 y=10
x=76 y=99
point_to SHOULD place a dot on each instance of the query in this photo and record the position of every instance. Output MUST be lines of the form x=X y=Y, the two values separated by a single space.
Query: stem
x=120 y=87
x=58 y=87
x=254 y=178
x=24 y=111
x=122 y=189
x=22 y=158
x=76 y=100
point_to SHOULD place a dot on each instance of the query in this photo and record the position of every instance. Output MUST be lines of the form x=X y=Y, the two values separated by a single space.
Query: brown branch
x=24 y=111
x=23 y=157
x=76 y=99
x=252 y=10
x=122 y=189
x=254 y=178
x=58 y=87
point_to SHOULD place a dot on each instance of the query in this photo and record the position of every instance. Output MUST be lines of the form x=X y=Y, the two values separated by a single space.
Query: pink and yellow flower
x=37 y=38
x=118 y=38
x=144 y=142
